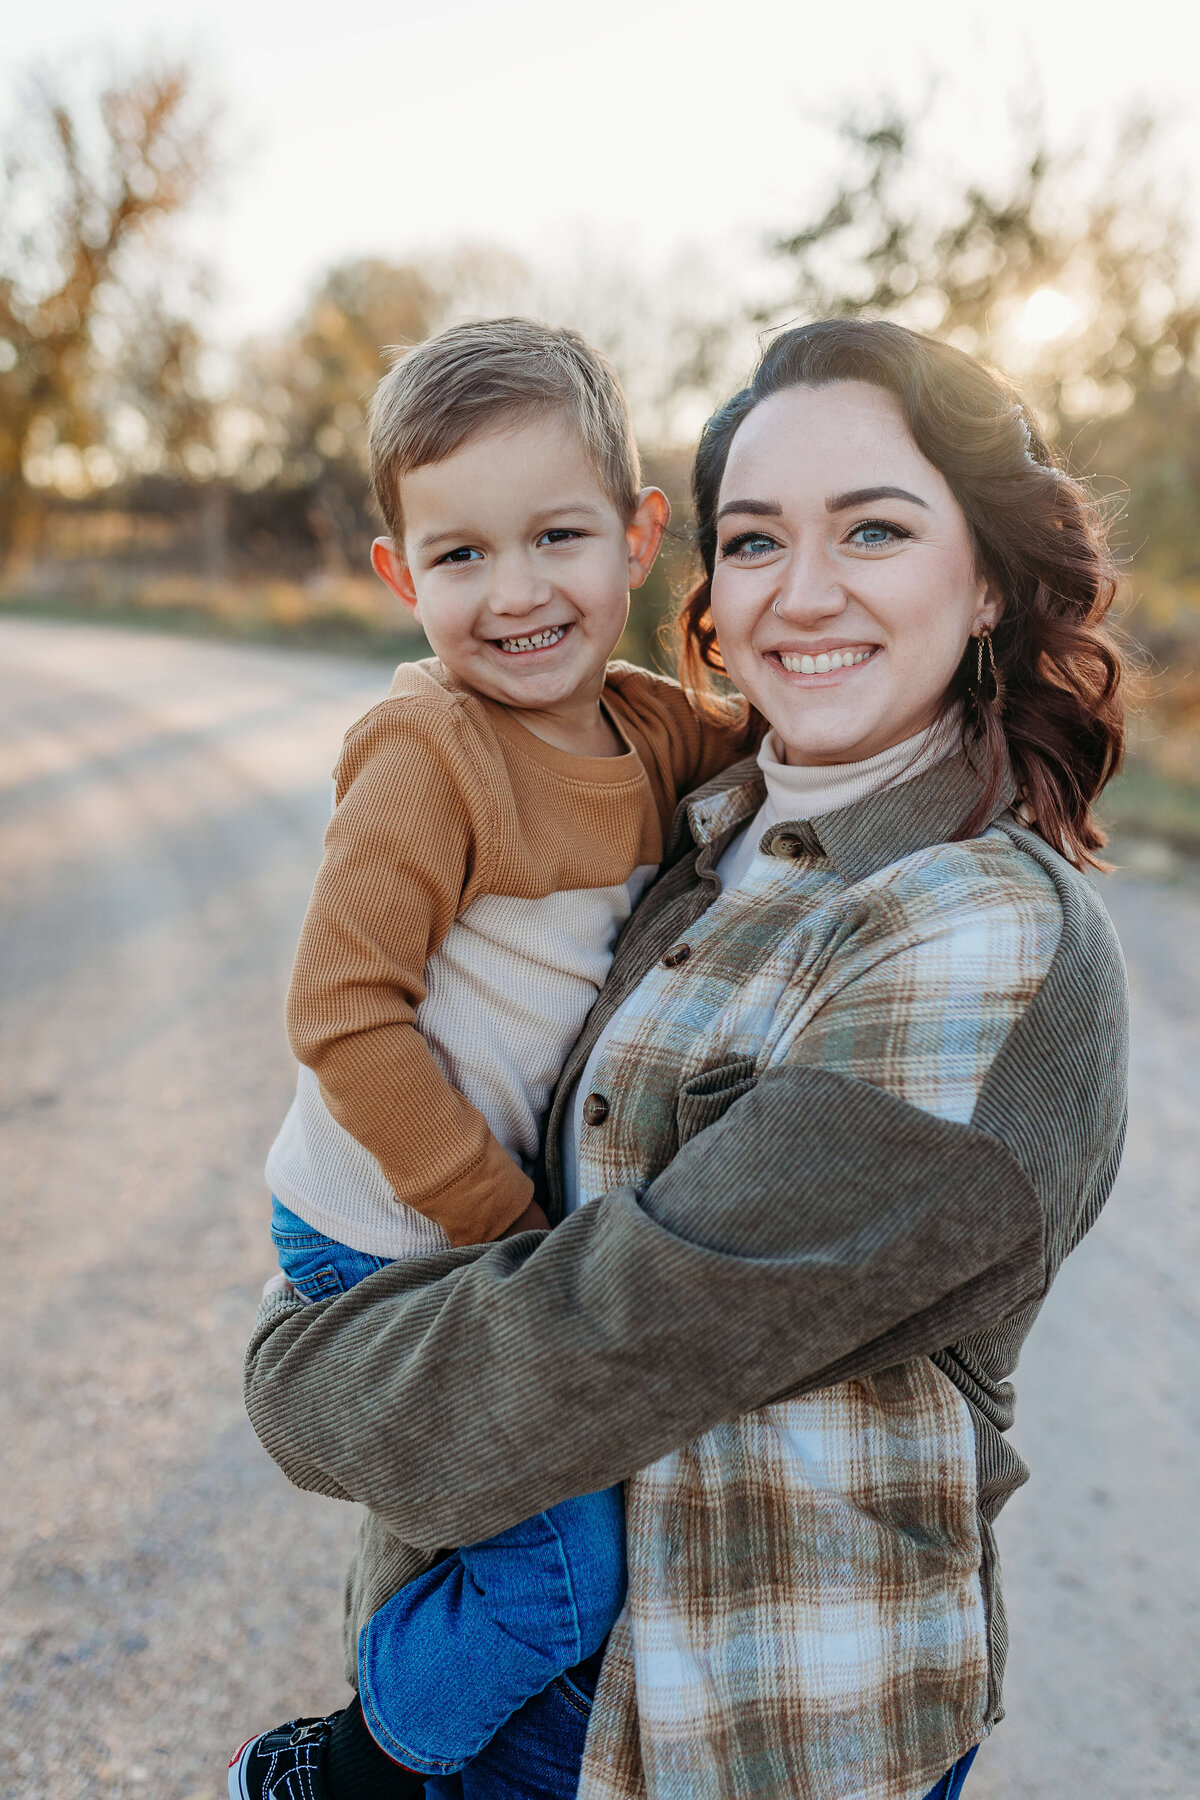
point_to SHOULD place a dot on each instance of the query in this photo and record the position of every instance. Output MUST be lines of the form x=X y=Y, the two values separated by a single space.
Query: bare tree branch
x=86 y=189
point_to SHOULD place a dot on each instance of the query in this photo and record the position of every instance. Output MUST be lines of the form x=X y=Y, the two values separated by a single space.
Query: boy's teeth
x=824 y=663
x=537 y=640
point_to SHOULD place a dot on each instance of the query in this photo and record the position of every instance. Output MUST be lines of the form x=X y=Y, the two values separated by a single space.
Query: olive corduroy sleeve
x=459 y=1394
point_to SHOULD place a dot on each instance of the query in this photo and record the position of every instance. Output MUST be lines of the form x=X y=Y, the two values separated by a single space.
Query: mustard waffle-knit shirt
x=474 y=883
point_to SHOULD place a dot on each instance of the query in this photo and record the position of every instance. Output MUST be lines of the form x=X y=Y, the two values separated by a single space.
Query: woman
x=853 y=1091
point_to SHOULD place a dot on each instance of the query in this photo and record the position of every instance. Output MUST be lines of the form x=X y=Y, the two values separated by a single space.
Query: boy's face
x=518 y=565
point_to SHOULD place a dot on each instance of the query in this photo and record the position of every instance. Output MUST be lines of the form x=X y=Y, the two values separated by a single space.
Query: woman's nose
x=810 y=589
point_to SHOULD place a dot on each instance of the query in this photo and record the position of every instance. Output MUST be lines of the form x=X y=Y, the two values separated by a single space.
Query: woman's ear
x=644 y=532
x=990 y=610
x=394 y=572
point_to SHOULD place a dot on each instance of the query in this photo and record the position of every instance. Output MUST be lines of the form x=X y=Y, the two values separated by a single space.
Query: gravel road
x=164 y=1591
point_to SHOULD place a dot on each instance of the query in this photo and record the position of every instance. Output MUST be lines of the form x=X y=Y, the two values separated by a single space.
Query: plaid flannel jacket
x=858 y=1110
x=837 y=1533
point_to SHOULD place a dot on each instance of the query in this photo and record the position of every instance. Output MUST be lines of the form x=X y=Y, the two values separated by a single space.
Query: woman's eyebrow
x=864 y=497
x=758 y=509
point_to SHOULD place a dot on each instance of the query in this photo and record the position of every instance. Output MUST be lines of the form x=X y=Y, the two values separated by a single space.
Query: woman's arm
x=455 y=1400
x=820 y=1228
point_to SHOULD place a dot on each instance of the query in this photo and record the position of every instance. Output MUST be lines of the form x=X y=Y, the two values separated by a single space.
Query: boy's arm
x=401 y=851
x=680 y=747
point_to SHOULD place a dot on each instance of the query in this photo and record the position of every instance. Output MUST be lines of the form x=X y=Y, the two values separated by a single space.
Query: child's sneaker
x=283 y=1764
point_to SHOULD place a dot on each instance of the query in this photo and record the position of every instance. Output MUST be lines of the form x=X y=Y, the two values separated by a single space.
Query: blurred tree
x=301 y=421
x=85 y=190
x=1072 y=278
x=307 y=394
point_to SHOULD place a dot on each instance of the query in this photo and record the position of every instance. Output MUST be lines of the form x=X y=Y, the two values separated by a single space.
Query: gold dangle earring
x=995 y=681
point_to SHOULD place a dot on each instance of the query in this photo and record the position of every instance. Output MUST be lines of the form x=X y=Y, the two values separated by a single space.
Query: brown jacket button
x=678 y=953
x=595 y=1109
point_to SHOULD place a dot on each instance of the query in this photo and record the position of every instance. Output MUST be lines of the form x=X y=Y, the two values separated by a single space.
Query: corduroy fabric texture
x=812 y=1231
x=462 y=923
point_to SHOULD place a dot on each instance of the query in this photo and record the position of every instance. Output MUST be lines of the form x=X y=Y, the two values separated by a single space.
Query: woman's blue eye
x=750 y=544
x=874 y=534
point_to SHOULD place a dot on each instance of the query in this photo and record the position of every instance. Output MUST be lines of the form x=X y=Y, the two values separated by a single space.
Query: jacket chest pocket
x=706 y=1097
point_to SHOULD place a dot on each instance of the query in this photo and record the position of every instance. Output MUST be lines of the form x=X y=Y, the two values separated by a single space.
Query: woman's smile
x=821 y=664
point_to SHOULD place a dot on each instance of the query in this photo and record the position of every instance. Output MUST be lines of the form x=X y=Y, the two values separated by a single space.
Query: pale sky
x=638 y=127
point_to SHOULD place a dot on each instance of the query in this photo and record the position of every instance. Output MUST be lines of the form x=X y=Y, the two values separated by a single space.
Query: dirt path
x=164 y=1591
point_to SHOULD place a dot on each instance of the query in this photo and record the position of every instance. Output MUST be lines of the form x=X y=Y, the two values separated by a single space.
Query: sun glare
x=1046 y=314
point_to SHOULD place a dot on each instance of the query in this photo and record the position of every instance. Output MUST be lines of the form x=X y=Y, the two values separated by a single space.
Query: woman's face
x=845 y=587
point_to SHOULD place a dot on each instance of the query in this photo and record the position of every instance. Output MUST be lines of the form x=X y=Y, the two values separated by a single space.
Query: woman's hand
x=279 y=1284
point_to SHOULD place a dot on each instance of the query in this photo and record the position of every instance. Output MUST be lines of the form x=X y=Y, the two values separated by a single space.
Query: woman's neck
x=805 y=791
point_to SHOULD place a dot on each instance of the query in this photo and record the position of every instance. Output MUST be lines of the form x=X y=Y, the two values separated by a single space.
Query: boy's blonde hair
x=470 y=377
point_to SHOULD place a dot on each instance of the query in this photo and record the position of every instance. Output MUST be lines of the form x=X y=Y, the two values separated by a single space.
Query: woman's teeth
x=539 y=640
x=823 y=664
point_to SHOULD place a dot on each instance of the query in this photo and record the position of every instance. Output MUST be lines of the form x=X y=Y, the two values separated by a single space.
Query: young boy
x=497 y=817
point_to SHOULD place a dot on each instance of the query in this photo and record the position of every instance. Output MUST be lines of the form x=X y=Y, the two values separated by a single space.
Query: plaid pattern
x=806 y=1613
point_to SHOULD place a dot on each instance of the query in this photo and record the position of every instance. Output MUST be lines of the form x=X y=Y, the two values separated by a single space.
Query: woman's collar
x=859 y=839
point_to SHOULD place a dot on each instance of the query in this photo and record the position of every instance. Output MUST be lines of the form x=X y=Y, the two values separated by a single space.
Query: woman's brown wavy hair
x=1038 y=535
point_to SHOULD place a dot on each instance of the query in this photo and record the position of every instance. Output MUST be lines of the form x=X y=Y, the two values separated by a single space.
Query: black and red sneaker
x=284 y=1764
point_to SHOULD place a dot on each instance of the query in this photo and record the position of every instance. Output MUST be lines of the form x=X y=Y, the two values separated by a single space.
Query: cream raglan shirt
x=474 y=883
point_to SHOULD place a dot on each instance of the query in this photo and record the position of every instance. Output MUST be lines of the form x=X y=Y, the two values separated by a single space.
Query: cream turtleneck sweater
x=807 y=790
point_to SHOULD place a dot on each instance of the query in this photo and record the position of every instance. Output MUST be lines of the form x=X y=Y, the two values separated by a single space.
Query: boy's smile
x=538 y=640
x=518 y=566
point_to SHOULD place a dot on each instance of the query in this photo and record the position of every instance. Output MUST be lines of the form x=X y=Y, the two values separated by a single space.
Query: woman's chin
x=810 y=739
x=815 y=731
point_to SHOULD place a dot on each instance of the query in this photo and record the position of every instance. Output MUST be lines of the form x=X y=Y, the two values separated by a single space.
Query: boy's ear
x=644 y=533
x=394 y=572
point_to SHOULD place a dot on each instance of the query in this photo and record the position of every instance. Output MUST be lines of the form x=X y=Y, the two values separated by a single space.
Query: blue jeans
x=951 y=1784
x=468 y=1644
x=317 y=1266
x=537 y=1754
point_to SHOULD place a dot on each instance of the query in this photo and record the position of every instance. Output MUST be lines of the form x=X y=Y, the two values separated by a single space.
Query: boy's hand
x=532 y=1219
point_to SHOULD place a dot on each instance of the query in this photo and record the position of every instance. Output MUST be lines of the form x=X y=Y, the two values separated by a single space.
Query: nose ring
x=775 y=606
